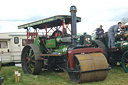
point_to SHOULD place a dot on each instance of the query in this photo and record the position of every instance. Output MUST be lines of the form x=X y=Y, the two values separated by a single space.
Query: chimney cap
x=73 y=8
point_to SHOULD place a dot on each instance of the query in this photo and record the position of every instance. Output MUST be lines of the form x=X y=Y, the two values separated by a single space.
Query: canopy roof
x=49 y=22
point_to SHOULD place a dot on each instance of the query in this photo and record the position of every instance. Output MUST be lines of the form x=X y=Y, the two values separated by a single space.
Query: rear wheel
x=99 y=44
x=125 y=61
x=29 y=60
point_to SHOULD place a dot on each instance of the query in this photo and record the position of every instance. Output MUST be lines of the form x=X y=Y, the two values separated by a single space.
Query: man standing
x=112 y=33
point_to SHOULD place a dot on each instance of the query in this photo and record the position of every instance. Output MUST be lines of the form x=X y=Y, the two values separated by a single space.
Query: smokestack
x=73 y=11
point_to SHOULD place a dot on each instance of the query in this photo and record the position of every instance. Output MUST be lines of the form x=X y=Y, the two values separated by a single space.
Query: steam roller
x=62 y=51
x=86 y=64
x=91 y=67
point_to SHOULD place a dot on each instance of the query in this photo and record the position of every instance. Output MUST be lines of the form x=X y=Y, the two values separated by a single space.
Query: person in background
x=100 y=33
x=100 y=30
x=112 y=34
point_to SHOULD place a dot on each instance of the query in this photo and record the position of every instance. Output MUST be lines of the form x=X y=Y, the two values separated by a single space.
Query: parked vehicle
x=11 y=45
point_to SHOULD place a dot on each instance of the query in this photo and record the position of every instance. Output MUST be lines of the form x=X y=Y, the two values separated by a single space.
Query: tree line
x=124 y=20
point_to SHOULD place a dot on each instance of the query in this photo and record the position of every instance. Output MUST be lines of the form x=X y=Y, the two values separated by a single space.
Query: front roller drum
x=89 y=65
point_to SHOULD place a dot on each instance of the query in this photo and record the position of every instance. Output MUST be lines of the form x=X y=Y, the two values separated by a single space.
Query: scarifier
x=63 y=51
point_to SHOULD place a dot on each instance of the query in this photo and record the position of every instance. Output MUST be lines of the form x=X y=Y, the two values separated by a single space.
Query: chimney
x=73 y=11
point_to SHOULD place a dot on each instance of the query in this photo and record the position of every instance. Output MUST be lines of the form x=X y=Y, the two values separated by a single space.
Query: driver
x=56 y=33
x=100 y=30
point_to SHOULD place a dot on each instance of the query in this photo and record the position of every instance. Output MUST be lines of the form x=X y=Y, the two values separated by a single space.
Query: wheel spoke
x=32 y=65
x=126 y=62
x=28 y=66
x=126 y=59
x=127 y=66
x=30 y=52
x=32 y=55
x=30 y=60
x=27 y=62
x=33 y=61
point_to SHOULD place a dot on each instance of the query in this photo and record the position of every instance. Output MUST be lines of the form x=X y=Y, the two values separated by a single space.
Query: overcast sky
x=92 y=12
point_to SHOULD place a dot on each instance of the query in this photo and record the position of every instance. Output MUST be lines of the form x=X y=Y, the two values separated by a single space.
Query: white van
x=11 y=45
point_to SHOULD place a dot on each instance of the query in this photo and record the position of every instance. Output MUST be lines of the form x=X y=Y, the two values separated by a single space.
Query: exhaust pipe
x=73 y=11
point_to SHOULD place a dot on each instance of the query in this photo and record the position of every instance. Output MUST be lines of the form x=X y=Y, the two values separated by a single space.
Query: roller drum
x=88 y=62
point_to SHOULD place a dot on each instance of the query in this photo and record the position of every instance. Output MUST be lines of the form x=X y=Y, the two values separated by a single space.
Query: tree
x=124 y=20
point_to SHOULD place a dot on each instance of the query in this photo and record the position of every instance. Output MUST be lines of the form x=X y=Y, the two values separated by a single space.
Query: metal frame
x=34 y=34
x=76 y=71
x=65 y=26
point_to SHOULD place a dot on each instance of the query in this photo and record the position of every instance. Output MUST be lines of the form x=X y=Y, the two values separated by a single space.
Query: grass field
x=116 y=76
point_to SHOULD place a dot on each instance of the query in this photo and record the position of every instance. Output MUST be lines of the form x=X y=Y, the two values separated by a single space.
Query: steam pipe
x=73 y=11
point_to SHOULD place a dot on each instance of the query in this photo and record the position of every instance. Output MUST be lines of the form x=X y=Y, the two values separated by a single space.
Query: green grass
x=116 y=76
